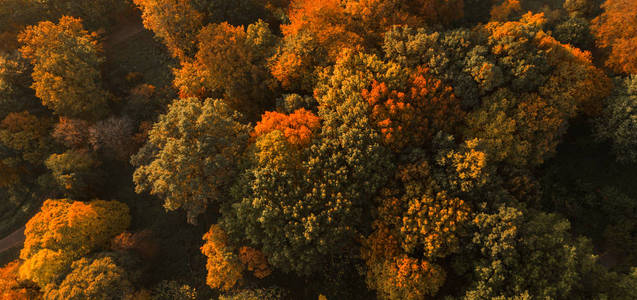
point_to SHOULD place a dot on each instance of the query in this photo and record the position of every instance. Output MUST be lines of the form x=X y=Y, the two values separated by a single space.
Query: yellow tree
x=66 y=68
x=176 y=22
x=66 y=230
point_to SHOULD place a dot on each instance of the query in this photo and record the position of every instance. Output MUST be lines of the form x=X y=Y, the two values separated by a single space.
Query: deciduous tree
x=231 y=63
x=615 y=30
x=66 y=68
x=203 y=140
x=176 y=22
x=66 y=230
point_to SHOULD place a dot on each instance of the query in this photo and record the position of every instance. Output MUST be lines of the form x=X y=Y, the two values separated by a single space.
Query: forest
x=318 y=149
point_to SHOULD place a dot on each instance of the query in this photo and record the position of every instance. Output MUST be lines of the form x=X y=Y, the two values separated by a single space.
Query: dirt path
x=14 y=239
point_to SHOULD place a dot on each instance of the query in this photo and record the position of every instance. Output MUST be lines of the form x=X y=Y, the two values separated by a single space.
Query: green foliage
x=272 y=293
x=575 y=31
x=75 y=173
x=172 y=290
x=300 y=213
x=203 y=141
x=522 y=255
x=618 y=122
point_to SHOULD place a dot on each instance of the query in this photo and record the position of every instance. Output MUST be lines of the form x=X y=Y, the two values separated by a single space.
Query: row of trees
x=397 y=149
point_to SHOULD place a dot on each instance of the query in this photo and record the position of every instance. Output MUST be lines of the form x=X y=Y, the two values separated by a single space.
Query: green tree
x=303 y=205
x=525 y=254
x=176 y=22
x=618 y=122
x=76 y=172
x=191 y=155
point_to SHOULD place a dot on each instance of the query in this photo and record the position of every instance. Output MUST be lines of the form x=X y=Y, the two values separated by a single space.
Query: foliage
x=75 y=172
x=231 y=63
x=66 y=61
x=298 y=127
x=524 y=255
x=113 y=137
x=99 y=278
x=615 y=30
x=272 y=293
x=66 y=230
x=24 y=144
x=172 y=290
x=224 y=267
x=618 y=121
x=12 y=287
x=175 y=22
x=201 y=139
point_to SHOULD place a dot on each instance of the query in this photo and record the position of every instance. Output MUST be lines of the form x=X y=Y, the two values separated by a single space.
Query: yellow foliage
x=66 y=230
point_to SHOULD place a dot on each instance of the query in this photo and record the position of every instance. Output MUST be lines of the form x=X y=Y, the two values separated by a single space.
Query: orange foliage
x=255 y=261
x=176 y=22
x=12 y=288
x=298 y=127
x=575 y=78
x=413 y=117
x=415 y=278
x=228 y=65
x=316 y=34
x=224 y=268
x=324 y=18
x=616 y=31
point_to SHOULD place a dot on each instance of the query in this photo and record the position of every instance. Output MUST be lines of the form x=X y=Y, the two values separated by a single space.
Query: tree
x=618 y=122
x=72 y=133
x=231 y=63
x=615 y=30
x=66 y=61
x=176 y=22
x=316 y=34
x=12 y=288
x=166 y=290
x=96 y=278
x=414 y=116
x=271 y=293
x=305 y=204
x=201 y=139
x=523 y=255
x=15 y=85
x=26 y=135
x=75 y=172
x=113 y=137
x=224 y=267
x=66 y=230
